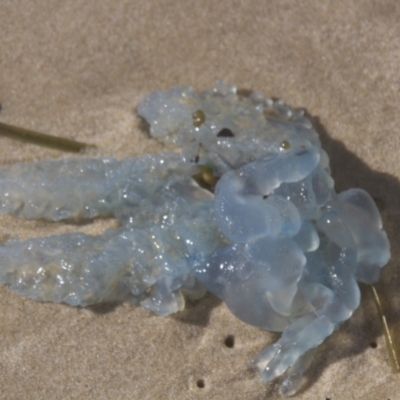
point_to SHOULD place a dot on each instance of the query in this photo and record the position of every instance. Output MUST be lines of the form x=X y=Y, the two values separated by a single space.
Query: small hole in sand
x=200 y=384
x=374 y=345
x=230 y=341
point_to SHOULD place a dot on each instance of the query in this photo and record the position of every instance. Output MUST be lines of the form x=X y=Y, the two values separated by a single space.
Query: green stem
x=41 y=139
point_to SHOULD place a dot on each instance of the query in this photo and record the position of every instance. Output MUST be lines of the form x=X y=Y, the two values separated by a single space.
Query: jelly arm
x=309 y=331
x=302 y=335
x=292 y=378
x=84 y=188
x=82 y=270
x=74 y=268
x=73 y=188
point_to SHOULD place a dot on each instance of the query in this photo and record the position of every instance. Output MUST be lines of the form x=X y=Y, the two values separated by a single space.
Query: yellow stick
x=42 y=139
x=393 y=359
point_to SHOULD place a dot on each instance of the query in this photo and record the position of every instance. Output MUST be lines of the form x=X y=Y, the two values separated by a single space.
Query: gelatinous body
x=266 y=233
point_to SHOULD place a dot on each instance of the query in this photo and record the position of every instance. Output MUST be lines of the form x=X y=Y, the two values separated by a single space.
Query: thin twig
x=42 y=139
x=393 y=359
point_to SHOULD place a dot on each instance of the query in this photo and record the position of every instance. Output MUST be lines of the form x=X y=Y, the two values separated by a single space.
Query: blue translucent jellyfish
x=247 y=210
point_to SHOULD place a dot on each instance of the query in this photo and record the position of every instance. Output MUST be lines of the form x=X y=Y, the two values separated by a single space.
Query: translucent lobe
x=269 y=173
x=359 y=212
x=218 y=270
x=291 y=221
x=280 y=258
x=322 y=184
x=333 y=226
x=359 y=201
x=307 y=237
x=289 y=301
x=248 y=302
x=243 y=216
x=240 y=210
x=229 y=275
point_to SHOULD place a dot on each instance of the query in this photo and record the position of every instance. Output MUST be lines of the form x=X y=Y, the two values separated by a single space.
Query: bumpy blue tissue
x=246 y=210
